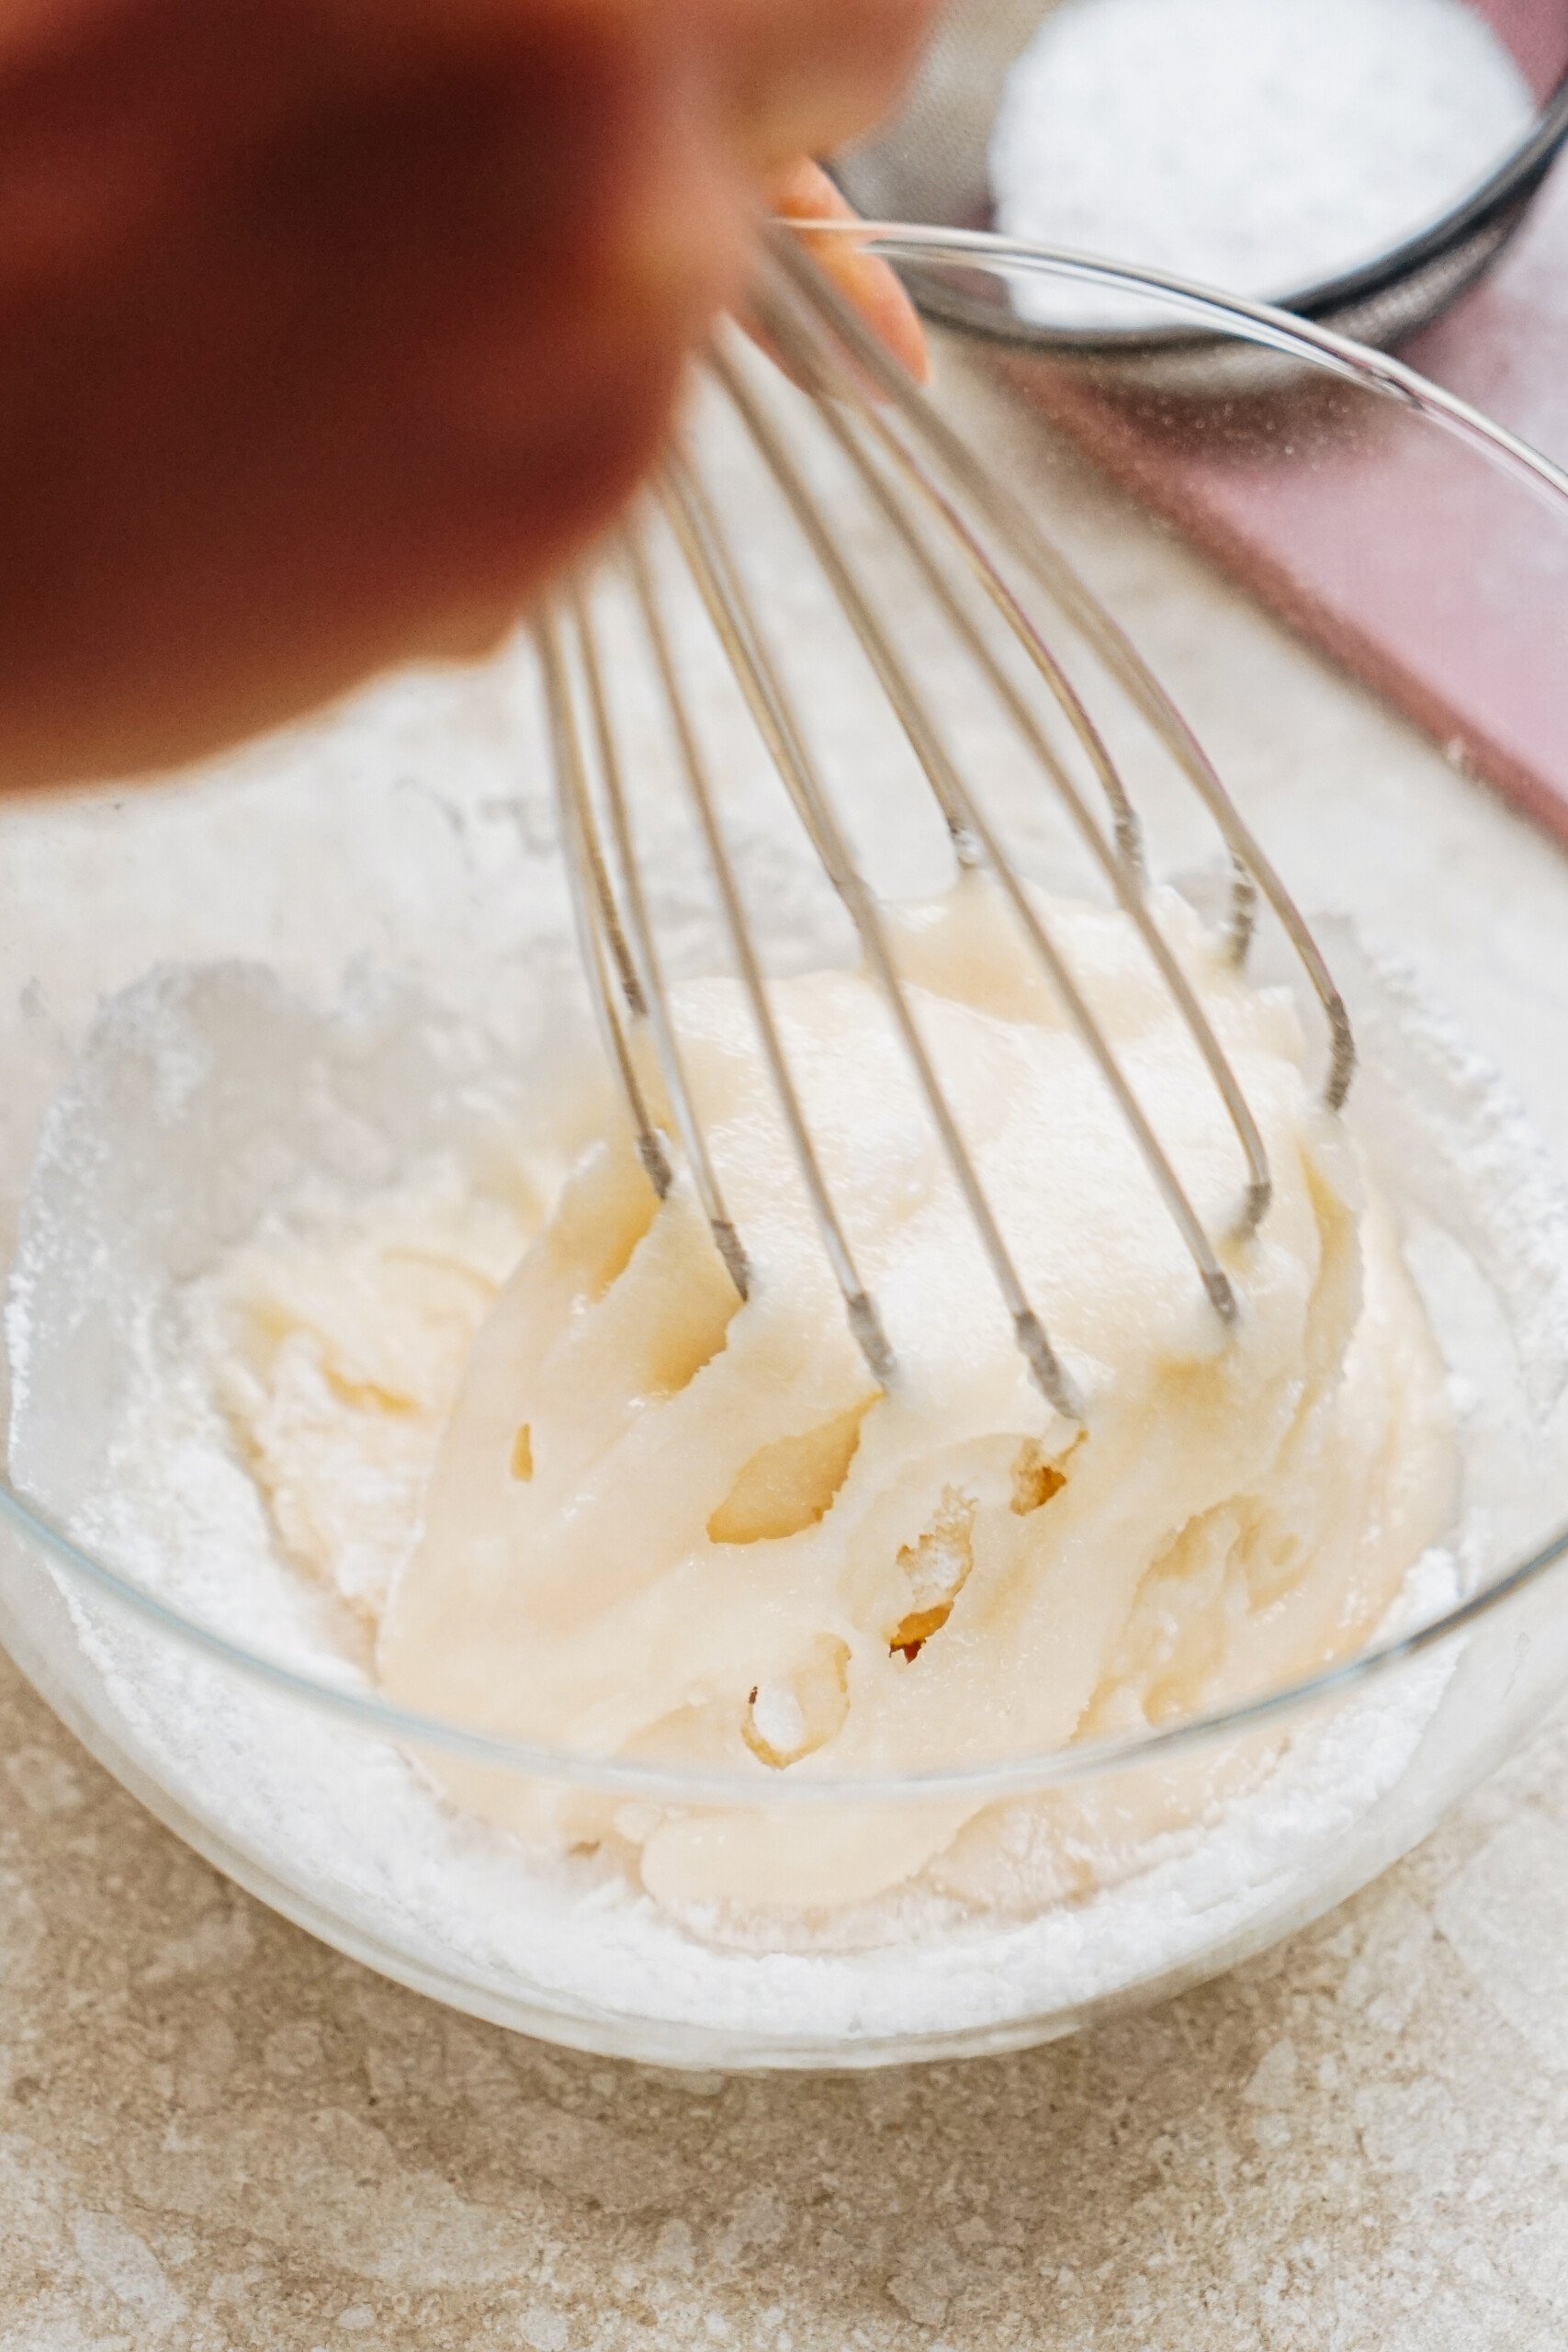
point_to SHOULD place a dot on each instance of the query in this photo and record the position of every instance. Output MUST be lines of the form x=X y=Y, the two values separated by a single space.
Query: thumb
x=804 y=192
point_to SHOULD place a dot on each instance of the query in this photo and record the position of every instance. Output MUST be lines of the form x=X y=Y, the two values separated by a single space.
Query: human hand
x=804 y=192
x=330 y=328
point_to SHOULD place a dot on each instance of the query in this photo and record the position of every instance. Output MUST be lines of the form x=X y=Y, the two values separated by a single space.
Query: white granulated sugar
x=1260 y=146
x=116 y=1429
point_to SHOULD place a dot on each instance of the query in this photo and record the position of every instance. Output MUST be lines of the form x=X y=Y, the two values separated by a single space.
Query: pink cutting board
x=1400 y=555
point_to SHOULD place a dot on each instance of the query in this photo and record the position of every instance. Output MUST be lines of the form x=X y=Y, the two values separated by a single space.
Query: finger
x=363 y=398
x=805 y=192
x=808 y=75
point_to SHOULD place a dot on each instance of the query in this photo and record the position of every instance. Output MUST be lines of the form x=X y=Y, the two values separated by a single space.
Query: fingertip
x=805 y=192
x=894 y=317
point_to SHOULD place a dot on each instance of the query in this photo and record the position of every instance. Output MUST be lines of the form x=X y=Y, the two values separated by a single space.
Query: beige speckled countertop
x=217 y=2134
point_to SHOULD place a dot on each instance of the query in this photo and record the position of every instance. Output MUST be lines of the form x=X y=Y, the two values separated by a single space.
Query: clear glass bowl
x=405 y=842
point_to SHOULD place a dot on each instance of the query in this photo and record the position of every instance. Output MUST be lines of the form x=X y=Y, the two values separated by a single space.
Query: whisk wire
x=863 y=618
x=1052 y=571
x=799 y=336
x=917 y=477
x=1125 y=874
x=729 y=607
x=592 y=907
x=863 y=1321
x=652 y=995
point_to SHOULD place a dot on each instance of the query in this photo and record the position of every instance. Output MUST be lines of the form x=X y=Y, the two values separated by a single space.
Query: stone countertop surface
x=217 y=2135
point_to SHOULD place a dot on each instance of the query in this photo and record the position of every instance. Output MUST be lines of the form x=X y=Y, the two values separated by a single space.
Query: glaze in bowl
x=343 y=945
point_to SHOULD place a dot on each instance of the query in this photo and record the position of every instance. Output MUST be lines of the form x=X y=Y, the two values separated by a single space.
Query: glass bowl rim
x=1248 y=321
x=1498 y=199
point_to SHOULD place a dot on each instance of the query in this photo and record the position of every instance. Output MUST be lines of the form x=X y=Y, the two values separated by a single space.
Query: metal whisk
x=944 y=511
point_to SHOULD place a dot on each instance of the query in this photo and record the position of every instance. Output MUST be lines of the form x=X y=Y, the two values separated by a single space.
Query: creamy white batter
x=663 y=1524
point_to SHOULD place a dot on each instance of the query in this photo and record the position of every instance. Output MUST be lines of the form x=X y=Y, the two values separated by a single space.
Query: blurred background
x=1383 y=167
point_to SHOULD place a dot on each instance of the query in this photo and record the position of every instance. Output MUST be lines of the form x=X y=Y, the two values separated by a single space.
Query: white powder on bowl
x=207 y=1096
x=1260 y=146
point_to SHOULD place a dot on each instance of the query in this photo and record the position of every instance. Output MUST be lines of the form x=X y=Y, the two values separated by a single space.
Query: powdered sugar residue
x=117 y=1432
x=1261 y=146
